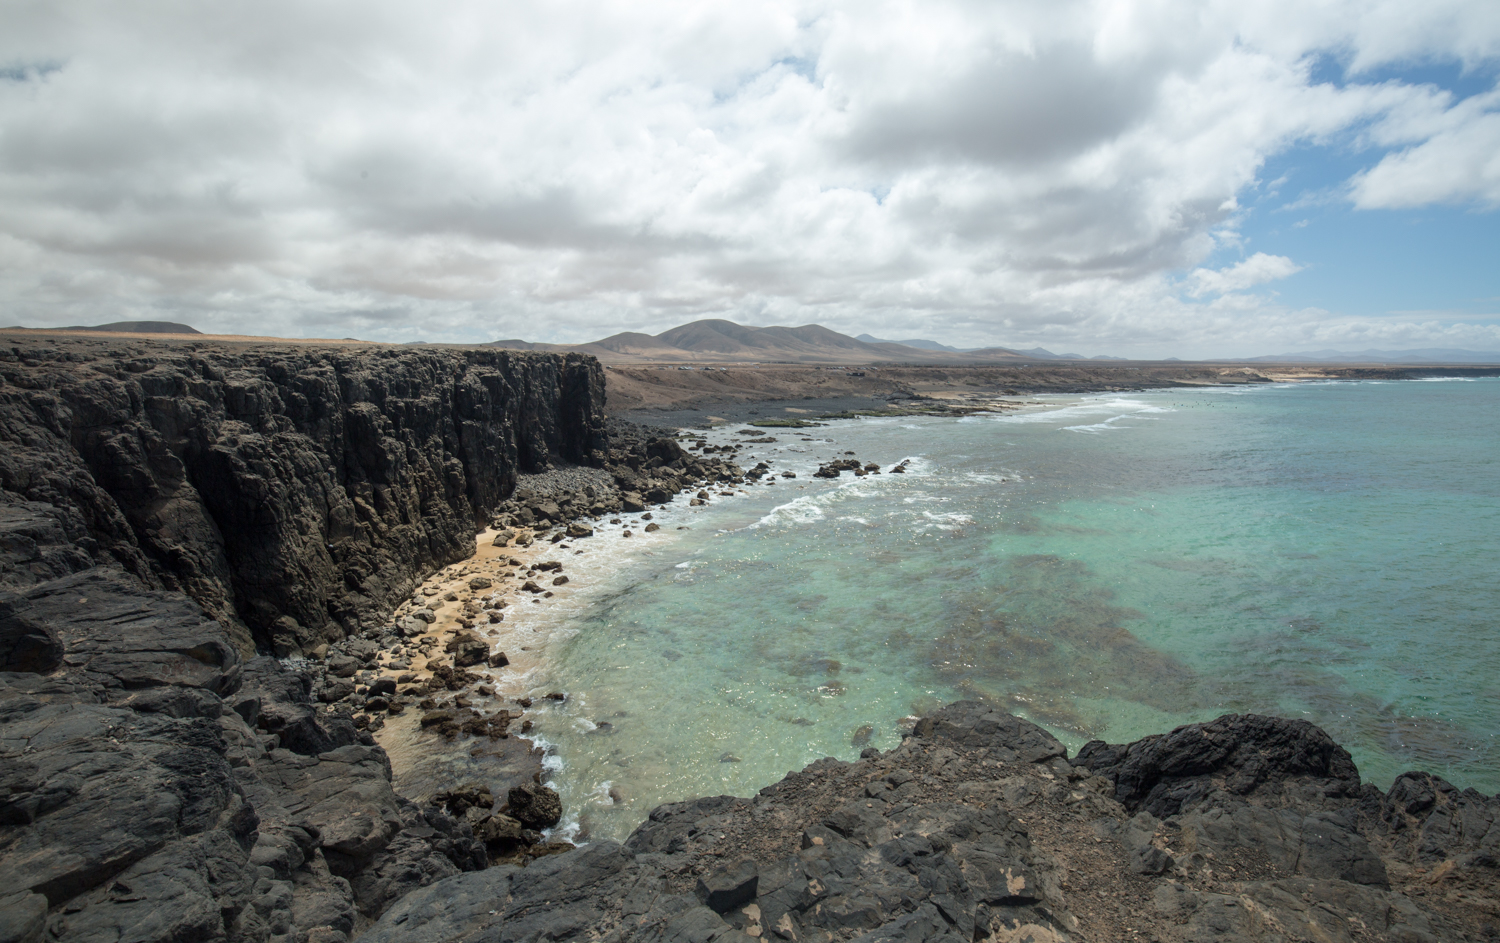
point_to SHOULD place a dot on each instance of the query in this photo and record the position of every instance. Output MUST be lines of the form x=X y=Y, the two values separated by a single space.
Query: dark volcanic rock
x=25 y=643
x=299 y=483
x=468 y=649
x=1236 y=753
x=535 y=807
x=977 y=828
x=155 y=788
x=163 y=512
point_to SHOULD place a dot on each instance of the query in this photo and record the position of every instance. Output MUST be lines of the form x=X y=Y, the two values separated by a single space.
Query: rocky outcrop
x=294 y=492
x=158 y=787
x=979 y=827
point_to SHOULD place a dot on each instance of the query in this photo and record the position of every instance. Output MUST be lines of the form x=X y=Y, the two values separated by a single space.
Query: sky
x=1190 y=178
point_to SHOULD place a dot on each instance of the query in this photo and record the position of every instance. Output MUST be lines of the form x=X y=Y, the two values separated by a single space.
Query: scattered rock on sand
x=468 y=649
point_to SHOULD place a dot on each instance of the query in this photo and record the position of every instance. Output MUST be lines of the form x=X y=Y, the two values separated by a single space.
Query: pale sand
x=501 y=763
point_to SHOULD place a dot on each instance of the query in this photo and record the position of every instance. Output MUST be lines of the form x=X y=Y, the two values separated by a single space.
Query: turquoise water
x=1108 y=566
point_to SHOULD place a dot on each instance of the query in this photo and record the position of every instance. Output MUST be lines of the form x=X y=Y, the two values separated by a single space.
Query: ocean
x=1108 y=566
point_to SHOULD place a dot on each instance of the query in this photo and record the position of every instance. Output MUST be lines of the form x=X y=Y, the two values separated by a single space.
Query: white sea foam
x=803 y=510
x=1107 y=425
x=1120 y=406
x=948 y=522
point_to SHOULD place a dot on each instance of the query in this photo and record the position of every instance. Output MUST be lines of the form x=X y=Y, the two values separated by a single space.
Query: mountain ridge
x=714 y=340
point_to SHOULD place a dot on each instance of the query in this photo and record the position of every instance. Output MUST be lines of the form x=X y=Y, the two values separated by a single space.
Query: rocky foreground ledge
x=980 y=827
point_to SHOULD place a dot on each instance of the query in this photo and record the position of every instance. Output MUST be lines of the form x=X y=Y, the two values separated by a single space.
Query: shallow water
x=1109 y=566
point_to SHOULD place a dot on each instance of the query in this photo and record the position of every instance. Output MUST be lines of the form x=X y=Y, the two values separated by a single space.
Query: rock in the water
x=578 y=530
x=535 y=807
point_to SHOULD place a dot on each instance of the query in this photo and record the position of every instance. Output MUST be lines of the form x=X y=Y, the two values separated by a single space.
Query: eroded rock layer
x=294 y=492
x=165 y=511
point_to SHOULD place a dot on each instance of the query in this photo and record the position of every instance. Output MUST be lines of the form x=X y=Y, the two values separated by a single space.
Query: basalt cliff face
x=165 y=511
x=293 y=492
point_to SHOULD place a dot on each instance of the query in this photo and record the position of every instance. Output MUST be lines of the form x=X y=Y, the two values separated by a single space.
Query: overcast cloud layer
x=1065 y=173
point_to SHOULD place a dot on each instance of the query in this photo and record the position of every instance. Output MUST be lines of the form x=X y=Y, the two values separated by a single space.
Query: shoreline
x=422 y=674
x=452 y=698
x=410 y=746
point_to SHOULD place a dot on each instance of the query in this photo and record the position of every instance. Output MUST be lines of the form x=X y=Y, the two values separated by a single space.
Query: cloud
x=1456 y=161
x=992 y=172
x=1256 y=270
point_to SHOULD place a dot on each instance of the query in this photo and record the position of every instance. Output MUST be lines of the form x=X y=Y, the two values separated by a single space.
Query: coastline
x=515 y=682
x=564 y=558
x=227 y=802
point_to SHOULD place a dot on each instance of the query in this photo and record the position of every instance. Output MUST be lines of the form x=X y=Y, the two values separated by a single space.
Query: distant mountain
x=718 y=341
x=128 y=327
x=1420 y=355
x=1041 y=353
x=916 y=342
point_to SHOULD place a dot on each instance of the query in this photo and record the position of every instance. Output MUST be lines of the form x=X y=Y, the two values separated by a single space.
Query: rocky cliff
x=294 y=492
x=165 y=510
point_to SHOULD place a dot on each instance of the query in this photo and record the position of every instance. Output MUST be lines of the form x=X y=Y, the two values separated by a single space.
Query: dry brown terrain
x=670 y=387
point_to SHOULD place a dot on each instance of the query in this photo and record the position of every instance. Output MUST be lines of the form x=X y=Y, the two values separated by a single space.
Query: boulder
x=468 y=649
x=335 y=690
x=343 y=666
x=729 y=889
x=476 y=583
x=577 y=530
x=1237 y=752
x=535 y=807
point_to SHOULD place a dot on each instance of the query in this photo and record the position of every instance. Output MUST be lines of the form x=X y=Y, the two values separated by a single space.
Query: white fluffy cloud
x=1256 y=270
x=1008 y=172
